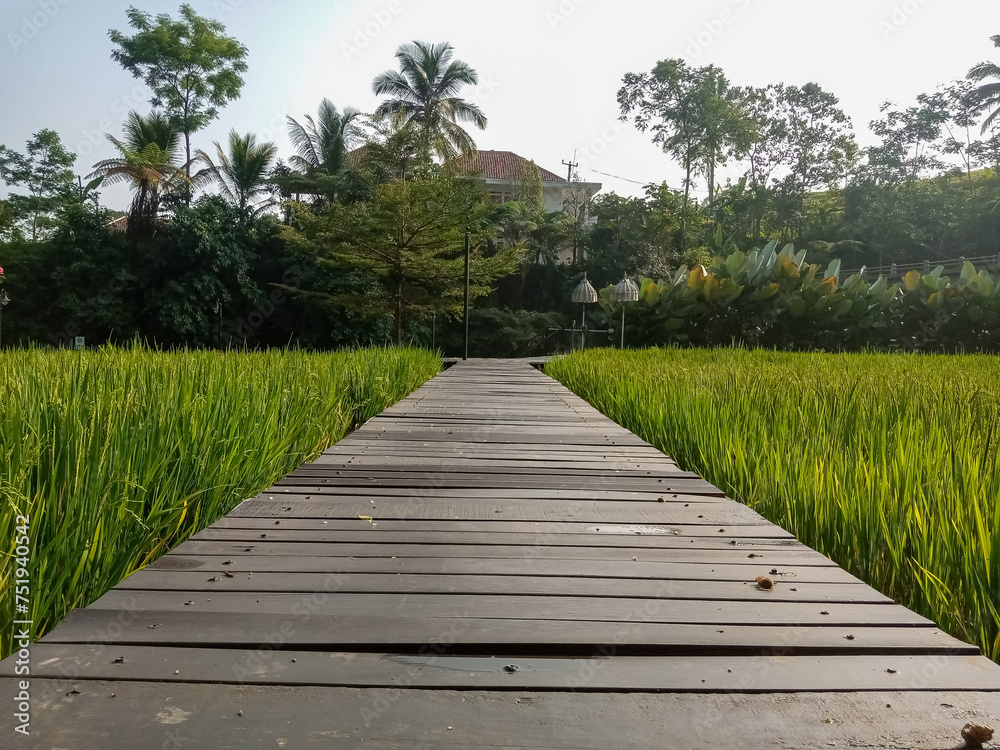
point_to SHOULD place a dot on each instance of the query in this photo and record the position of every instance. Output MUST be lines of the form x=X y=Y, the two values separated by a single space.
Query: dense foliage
x=775 y=299
x=118 y=455
x=887 y=463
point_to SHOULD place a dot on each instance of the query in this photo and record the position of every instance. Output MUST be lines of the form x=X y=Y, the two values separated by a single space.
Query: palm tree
x=241 y=173
x=988 y=95
x=322 y=144
x=148 y=159
x=425 y=89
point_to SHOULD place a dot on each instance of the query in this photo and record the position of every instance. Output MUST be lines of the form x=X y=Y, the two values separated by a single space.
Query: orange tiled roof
x=501 y=165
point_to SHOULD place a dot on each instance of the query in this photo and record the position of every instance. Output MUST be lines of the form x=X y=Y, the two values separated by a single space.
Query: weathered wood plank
x=304 y=628
x=577 y=610
x=209 y=716
x=251 y=559
x=409 y=583
x=703 y=675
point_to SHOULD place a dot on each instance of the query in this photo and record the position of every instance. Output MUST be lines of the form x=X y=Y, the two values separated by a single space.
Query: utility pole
x=570 y=166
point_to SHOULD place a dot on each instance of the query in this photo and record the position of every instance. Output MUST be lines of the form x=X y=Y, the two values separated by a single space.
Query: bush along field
x=775 y=299
x=115 y=456
x=886 y=463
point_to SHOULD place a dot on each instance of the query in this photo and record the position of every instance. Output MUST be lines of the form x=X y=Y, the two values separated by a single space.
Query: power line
x=624 y=179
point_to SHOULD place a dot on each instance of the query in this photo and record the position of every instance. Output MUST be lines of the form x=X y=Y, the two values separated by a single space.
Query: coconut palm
x=241 y=172
x=425 y=89
x=149 y=160
x=323 y=143
x=988 y=95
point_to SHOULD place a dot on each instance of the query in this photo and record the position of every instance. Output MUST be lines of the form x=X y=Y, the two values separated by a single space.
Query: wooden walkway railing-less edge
x=493 y=563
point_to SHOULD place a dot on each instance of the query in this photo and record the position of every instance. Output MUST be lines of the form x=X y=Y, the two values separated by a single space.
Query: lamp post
x=468 y=254
x=623 y=293
x=584 y=295
x=218 y=311
x=4 y=301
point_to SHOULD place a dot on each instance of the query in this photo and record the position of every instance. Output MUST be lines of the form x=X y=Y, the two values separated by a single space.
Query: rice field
x=117 y=455
x=886 y=463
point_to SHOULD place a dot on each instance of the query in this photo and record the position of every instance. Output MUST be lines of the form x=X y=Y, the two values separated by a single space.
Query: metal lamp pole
x=218 y=311
x=468 y=253
x=4 y=301
x=584 y=295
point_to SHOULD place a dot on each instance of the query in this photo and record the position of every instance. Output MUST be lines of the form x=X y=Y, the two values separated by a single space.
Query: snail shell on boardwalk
x=977 y=734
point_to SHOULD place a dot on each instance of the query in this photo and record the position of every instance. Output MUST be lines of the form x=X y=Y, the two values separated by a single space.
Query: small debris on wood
x=177 y=671
x=511 y=668
x=74 y=691
x=154 y=626
x=228 y=574
x=975 y=735
x=824 y=612
x=849 y=637
x=119 y=660
x=213 y=579
x=890 y=671
x=239 y=713
x=227 y=562
x=661 y=499
x=764 y=583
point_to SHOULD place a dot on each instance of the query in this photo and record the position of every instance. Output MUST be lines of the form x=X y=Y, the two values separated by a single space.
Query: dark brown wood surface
x=493 y=563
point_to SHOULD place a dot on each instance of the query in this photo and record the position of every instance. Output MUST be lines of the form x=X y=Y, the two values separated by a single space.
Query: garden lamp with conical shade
x=584 y=295
x=624 y=293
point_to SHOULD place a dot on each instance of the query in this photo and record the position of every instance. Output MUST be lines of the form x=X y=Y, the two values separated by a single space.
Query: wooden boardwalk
x=492 y=563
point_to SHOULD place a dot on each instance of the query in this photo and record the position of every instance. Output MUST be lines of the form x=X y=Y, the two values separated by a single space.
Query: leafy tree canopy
x=190 y=64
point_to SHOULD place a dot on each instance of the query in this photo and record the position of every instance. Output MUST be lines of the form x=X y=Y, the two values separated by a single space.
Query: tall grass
x=886 y=463
x=117 y=455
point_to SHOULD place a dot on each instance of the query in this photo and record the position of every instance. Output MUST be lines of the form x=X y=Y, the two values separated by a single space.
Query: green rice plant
x=117 y=455
x=886 y=463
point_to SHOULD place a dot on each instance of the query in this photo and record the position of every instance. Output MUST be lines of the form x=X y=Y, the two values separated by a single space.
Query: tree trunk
x=187 y=167
x=399 y=314
x=684 y=213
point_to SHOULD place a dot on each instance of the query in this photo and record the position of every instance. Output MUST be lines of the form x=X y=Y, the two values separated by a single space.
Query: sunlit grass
x=886 y=463
x=117 y=455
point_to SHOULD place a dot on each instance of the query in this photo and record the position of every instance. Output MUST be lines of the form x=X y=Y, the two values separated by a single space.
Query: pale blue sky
x=550 y=68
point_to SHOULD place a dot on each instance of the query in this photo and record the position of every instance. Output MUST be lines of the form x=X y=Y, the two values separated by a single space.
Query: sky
x=549 y=69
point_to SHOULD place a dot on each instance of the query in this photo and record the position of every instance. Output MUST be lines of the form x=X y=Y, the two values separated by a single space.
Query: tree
x=692 y=115
x=148 y=160
x=241 y=173
x=45 y=171
x=425 y=89
x=988 y=95
x=322 y=145
x=410 y=235
x=192 y=67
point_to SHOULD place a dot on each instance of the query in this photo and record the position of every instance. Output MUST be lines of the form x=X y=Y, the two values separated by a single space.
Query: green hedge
x=775 y=299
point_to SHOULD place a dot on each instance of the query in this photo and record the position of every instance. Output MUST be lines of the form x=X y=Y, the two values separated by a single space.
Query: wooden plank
x=578 y=586
x=306 y=629
x=278 y=531
x=573 y=610
x=428 y=508
x=786 y=557
x=767 y=533
x=248 y=559
x=703 y=675
x=247 y=717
